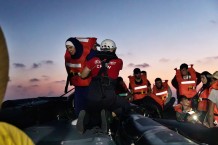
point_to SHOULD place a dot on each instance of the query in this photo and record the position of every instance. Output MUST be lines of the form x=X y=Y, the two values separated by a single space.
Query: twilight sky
x=154 y=35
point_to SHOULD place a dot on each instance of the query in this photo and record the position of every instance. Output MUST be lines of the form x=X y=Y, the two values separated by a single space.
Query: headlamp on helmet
x=107 y=45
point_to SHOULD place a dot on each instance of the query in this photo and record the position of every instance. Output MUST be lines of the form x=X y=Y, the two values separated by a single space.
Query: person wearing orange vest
x=213 y=103
x=184 y=111
x=9 y=134
x=75 y=58
x=162 y=91
x=139 y=86
x=203 y=93
x=185 y=81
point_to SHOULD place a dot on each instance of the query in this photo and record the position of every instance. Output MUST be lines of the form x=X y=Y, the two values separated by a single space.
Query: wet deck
x=61 y=132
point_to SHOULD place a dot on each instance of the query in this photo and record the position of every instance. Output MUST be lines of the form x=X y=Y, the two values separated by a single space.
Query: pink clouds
x=143 y=65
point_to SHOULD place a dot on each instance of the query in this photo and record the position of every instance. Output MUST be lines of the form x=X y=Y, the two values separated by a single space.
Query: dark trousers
x=80 y=100
x=169 y=104
x=119 y=106
x=147 y=101
x=150 y=106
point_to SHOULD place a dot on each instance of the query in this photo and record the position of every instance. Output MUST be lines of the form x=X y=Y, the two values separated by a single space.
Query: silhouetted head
x=137 y=73
x=206 y=78
x=158 y=83
x=185 y=101
x=184 y=69
x=144 y=72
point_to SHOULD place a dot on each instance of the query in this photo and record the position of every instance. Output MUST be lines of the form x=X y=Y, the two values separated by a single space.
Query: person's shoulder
x=174 y=78
x=198 y=74
x=93 y=59
x=119 y=60
x=214 y=91
x=149 y=83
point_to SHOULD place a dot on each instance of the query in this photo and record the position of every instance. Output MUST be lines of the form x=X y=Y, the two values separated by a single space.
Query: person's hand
x=206 y=124
x=193 y=118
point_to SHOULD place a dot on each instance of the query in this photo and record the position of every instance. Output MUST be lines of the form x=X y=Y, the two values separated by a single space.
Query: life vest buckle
x=191 y=87
x=142 y=92
x=74 y=73
x=164 y=97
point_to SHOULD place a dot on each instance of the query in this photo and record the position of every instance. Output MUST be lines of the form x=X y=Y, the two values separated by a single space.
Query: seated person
x=184 y=111
x=139 y=86
x=162 y=93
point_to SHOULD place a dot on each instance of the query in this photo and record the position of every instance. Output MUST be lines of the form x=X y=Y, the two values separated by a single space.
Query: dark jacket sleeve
x=198 y=75
x=174 y=83
x=130 y=86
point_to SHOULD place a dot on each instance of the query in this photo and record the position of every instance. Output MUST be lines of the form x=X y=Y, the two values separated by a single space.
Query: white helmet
x=107 y=44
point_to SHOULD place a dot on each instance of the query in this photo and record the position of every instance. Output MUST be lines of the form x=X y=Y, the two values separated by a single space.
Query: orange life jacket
x=203 y=100
x=187 y=87
x=160 y=95
x=157 y=99
x=163 y=92
x=178 y=108
x=138 y=91
x=75 y=66
x=215 y=86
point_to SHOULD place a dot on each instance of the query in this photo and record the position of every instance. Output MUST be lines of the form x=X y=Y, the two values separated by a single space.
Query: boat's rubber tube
x=197 y=132
x=139 y=130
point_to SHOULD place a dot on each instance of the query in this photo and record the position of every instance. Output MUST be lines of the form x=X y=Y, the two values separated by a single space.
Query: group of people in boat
x=196 y=105
x=99 y=88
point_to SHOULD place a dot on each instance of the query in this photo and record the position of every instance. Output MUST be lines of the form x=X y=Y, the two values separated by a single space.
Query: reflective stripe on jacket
x=163 y=92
